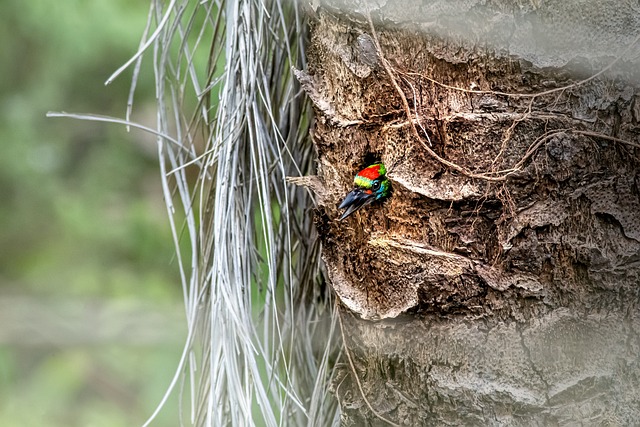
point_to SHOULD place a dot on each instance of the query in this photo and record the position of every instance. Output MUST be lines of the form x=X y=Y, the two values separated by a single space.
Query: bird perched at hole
x=371 y=185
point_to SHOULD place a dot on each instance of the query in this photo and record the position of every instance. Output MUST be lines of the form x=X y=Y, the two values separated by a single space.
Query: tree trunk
x=499 y=284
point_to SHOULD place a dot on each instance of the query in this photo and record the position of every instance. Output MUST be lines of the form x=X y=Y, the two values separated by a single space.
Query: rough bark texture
x=519 y=293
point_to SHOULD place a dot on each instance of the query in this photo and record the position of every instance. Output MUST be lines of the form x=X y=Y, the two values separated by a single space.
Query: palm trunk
x=509 y=252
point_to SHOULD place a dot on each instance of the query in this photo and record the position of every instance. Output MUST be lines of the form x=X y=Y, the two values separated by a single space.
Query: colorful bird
x=371 y=185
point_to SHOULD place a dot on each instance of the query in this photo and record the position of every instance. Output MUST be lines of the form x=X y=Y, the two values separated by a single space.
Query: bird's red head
x=372 y=172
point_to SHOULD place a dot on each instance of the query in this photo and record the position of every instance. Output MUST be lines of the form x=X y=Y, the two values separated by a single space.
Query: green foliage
x=83 y=219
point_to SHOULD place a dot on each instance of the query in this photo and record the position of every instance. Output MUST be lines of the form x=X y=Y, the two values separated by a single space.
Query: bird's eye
x=376 y=185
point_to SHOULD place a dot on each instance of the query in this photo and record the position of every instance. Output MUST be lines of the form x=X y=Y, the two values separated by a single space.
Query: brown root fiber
x=514 y=191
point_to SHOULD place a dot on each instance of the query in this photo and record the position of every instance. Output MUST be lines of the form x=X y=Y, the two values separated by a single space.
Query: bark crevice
x=503 y=272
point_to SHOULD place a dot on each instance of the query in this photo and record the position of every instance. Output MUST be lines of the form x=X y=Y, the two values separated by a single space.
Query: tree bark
x=499 y=284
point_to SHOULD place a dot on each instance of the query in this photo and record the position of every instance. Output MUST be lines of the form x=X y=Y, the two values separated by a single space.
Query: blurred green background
x=91 y=313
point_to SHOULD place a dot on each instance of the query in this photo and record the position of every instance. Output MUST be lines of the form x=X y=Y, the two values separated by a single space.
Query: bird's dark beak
x=355 y=200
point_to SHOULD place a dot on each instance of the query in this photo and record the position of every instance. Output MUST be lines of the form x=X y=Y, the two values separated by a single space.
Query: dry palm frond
x=259 y=346
x=261 y=331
